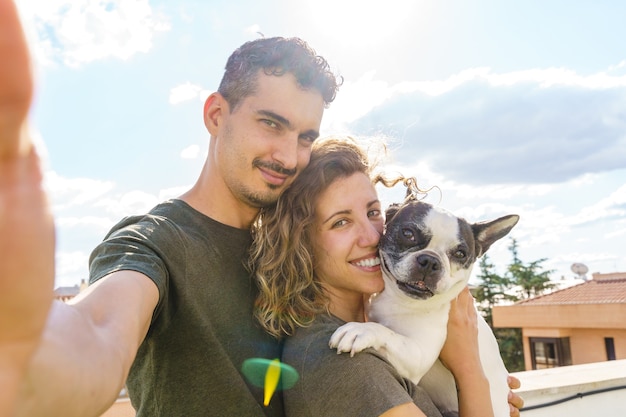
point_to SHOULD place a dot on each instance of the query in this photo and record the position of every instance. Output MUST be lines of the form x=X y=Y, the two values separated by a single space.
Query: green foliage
x=511 y=348
x=521 y=281
x=492 y=289
x=530 y=280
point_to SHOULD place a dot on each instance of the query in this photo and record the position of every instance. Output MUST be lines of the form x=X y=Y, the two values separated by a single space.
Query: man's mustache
x=275 y=167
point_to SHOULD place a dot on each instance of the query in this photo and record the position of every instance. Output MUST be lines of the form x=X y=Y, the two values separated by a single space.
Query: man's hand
x=26 y=226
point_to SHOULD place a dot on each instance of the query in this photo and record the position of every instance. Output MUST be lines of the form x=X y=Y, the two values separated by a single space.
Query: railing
x=593 y=389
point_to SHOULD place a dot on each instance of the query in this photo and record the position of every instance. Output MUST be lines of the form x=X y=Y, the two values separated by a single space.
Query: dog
x=427 y=255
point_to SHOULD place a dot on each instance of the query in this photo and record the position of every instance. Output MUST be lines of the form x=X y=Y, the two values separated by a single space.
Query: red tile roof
x=610 y=289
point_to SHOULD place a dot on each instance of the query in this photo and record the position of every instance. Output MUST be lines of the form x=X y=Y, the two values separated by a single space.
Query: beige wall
x=587 y=345
x=585 y=324
x=586 y=316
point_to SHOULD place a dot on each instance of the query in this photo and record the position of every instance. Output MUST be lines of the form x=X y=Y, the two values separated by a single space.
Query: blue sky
x=507 y=107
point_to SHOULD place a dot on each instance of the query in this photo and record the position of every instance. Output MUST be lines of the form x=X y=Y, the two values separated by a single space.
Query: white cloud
x=69 y=192
x=253 y=29
x=184 y=92
x=356 y=100
x=131 y=202
x=190 y=152
x=478 y=127
x=617 y=232
x=173 y=192
x=69 y=266
x=81 y=31
x=612 y=206
x=97 y=223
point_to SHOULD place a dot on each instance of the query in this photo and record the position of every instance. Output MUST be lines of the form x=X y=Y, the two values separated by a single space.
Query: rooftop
x=67 y=291
x=602 y=289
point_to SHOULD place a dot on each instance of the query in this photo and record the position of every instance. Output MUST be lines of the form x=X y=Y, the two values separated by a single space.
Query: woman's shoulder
x=322 y=325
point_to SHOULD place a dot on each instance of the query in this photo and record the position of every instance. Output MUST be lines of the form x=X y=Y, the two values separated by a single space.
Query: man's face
x=266 y=141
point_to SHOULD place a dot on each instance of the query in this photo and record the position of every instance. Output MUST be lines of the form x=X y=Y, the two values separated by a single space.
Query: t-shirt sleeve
x=134 y=244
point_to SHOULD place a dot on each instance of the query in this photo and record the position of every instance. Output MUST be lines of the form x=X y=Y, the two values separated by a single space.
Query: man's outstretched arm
x=26 y=226
x=55 y=359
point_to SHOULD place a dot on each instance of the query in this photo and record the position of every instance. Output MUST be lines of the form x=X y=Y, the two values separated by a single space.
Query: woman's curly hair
x=281 y=258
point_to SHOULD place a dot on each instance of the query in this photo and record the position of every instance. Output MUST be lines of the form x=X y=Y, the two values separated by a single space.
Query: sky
x=504 y=107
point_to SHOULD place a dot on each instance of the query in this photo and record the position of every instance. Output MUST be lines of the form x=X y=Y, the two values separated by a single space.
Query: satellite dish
x=580 y=270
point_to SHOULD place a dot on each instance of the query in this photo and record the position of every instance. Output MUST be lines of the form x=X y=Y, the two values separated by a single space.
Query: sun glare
x=362 y=22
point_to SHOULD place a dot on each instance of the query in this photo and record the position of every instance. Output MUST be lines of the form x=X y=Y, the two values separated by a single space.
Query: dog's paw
x=355 y=337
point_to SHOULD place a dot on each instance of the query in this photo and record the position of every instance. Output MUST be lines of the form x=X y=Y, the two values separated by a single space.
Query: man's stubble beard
x=260 y=200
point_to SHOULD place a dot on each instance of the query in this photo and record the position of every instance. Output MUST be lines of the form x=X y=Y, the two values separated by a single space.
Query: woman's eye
x=374 y=213
x=340 y=223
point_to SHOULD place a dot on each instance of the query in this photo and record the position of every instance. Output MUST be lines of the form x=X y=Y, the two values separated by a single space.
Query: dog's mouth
x=415 y=289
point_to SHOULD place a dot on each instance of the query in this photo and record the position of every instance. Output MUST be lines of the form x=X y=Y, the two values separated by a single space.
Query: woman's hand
x=461 y=353
x=515 y=401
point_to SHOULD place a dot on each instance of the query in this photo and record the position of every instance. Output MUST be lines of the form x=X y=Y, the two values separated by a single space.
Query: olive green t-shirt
x=333 y=385
x=203 y=327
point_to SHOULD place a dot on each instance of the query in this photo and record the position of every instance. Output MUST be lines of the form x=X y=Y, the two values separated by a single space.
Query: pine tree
x=530 y=279
x=491 y=290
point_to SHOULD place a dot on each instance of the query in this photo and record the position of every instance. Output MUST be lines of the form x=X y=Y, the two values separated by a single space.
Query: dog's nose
x=428 y=263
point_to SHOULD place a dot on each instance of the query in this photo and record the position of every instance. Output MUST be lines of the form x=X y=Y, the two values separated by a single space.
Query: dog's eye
x=460 y=254
x=408 y=234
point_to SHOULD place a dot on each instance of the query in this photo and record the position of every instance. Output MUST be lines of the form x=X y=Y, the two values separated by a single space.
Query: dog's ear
x=391 y=211
x=488 y=232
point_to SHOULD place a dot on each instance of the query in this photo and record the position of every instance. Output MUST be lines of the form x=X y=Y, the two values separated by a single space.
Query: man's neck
x=236 y=215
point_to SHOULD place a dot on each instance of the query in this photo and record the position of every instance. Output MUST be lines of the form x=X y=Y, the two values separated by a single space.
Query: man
x=170 y=301
x=170 y=305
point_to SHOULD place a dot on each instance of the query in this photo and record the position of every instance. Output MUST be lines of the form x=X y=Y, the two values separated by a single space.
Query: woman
x=316 y=262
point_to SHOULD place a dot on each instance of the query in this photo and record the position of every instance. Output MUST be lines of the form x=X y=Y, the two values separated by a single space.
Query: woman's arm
x=404 y=410
x=461 y=355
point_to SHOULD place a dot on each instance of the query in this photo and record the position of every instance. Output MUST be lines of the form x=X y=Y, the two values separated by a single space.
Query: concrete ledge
x=577 y=390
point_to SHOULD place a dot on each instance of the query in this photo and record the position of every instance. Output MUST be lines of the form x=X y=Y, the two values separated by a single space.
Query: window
x=609 y=344
x=550 y=352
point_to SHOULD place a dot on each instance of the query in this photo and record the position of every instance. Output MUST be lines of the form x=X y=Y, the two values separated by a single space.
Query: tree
x=530 y=279
x=491 y=290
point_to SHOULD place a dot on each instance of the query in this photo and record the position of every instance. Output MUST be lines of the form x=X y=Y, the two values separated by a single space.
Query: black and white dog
x=427 y=255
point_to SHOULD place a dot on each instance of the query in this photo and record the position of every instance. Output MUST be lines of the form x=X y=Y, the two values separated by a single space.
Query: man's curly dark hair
x=276 y=56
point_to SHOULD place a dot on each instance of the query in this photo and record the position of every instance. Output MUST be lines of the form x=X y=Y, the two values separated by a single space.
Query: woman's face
x=348 y=225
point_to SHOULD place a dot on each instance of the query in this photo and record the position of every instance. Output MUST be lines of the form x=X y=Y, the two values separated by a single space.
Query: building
x=67 y=293
x=582 y=324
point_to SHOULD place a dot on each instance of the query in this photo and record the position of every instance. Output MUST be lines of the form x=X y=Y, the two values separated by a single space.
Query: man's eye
x=270 y=123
